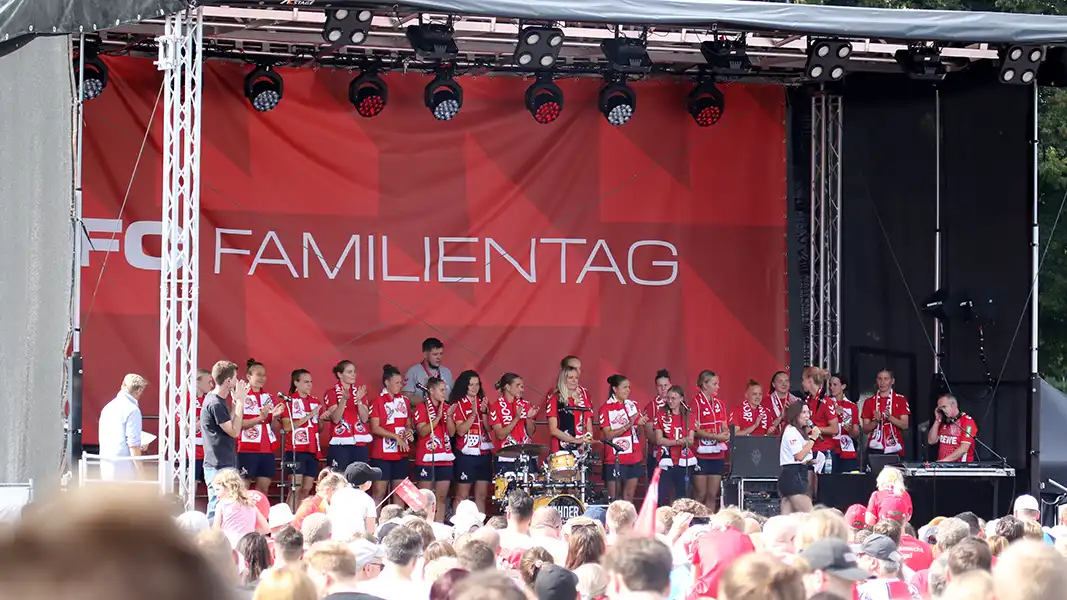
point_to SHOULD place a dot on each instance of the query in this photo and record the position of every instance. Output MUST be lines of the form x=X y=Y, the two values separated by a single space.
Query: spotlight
x=263 y=88
x=922 y=62
x=95 y=75
x=727 y=56
x=538 y=47
x=544 y=100
x=827 y=59
x=706 y=103
x=368 y=93
x=444 y=97
x=617 y=102
x=1019 y=64
x=345 y=26
x=432 y=41
x=627 y=55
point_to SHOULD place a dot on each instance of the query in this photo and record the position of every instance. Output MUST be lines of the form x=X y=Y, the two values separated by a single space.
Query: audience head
x=438 y=550
x=1032 y=530
x=728 y=518
x=688 y=505
x=328 y=485
x=891 y=479
x=497 y=522
x=757 y=576
x=779 y=533
x=330 y=565
x=424 y=529
x=555 y=583
x=878 y=555
x=520 y=507
x=997 y=544
x=830 y=565
x=585 y=545
x=973 y=585
x=969 y=554
x=390 y=512
x=664 y=519
x=444 y=587
x=1010 y=528
x=621 y=517
x=1026 y=508
x=531 y=563
x=972 y=521
x=289 y=544
x=254 y=550
x=477 y=556
x=636 y=565
x=891 y=528
x=592 y=581
x=193 y=522
x=488 y=585
x=818 y=525
x=316 y=528
x=402 y=546
x=1030 y=570
x=547 y=521
x=488 y=536
x=951 y=532
x=288 y=583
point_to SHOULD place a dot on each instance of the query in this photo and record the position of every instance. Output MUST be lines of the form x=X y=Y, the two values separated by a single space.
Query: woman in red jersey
x=712 y=436
x=778 y=400
x=303 y=424
x=675 y=443
x=391 y=426
x=750 y=418
x=473 y=467
x=258 y=442
x=823 y=419
x=344 y=406
x=620 y=422
x=652 y=411
x=569 y=428
x=433 y=452
x=511 y=418
x=848 y=414
x=204 y=385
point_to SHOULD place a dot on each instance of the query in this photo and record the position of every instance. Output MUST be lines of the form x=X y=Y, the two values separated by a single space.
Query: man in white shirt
x=878 y=556
x=519 y=514
x=352 y=511
x=441 y=532
x=403 y=547
x=120 y=432
x=545 y=530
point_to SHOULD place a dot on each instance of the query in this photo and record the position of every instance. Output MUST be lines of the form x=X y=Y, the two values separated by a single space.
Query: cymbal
x=520 y=449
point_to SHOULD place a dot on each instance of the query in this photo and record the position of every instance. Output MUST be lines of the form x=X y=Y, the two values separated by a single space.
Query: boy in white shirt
x=352 y=511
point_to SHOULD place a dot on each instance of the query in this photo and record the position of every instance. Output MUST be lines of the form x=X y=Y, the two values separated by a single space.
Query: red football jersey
x=613 y=415
x=654 y=407
x=392 y=414
x=476 y=442
x=306 y=437
x=675 y=427
x=844 y=445
x=822 y=412
x=198 y=403
x=504 y=413
x=888 y=438
x=711 y=417
x=580 y=418
x=350 y=428
x=436 y=448
x=746 y=415
x=259 y=439
x=952 y=435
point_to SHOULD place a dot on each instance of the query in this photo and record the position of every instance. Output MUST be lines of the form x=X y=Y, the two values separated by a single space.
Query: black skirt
x=793 y=480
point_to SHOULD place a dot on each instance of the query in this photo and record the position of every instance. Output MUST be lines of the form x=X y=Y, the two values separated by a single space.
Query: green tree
x=1052 y=180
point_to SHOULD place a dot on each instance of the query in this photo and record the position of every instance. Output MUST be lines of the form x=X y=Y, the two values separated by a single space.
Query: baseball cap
x=834 y=557
x=856 y=516
x=359 y=473
x=1026 y=502
x=894 y=507
x=555 y=583
x=880 y=547
x=928 y=534
x=366 y=552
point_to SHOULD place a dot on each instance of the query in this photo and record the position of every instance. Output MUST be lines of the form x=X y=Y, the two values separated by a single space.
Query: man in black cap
x=830 y=565
x=352 y=511
x=878 y=555
x=556 y=583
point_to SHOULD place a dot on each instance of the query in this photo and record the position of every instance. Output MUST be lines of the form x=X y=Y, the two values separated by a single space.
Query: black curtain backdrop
x=889 y=200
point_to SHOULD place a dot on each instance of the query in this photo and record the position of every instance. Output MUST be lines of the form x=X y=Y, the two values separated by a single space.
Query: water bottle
x=828 y=468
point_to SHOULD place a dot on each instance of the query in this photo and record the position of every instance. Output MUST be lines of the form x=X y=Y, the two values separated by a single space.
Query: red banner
x=327 y=236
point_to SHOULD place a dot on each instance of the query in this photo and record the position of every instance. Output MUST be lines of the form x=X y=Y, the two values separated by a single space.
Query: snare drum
x=562 y=466
x=501 y=485
x=568 y=506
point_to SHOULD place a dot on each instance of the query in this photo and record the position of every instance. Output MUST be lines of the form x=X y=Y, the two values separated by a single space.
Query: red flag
x=646 y=519
x=411 y=495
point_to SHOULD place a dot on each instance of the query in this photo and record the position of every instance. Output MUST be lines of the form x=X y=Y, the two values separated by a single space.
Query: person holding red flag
x=751 y=418
x=953 y=432
x=433 y=452
x=675 y=445
x=511 y=417
x=885 y=416
x=348 y=440
x=390 y=424
x=303 y=426
x=473 y=467
x=258 y=442
x=620 y=422
x=712 y=436
x=848 y=414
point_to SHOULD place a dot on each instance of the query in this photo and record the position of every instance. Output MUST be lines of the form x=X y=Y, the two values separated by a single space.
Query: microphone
x=613 y=445
x=283 y=397
x=685 y=406
x=422 y=387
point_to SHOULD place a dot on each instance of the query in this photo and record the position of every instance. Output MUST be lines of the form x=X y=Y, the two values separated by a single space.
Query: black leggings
x=672 y=485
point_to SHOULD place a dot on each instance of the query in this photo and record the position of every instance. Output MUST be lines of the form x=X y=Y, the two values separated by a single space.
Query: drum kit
x=562 y=482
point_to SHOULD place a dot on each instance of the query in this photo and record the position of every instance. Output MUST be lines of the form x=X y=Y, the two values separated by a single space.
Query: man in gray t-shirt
x=432 y=353
x=221 y=423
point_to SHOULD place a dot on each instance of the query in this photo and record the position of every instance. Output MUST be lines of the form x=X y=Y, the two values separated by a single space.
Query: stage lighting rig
x=344 y=26
x=922 y=62
x=706 y=103
x=617 y=101
x=444 y=97
x=538 y=47
x=727 y=57
x=95 y=74
x=544 y=100
x=627 y=55
x=1019 y=64
x=433 y=41
x=368 y=93
x=264 y=88
x=827 y=59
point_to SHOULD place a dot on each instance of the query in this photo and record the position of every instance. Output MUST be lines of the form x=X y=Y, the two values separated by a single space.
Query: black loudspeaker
x=754 y=457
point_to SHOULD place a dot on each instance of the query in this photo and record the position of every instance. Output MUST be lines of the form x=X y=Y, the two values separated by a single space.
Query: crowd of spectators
x=115 y=543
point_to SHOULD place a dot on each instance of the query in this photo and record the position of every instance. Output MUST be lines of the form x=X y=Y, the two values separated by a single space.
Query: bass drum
x=567 y=505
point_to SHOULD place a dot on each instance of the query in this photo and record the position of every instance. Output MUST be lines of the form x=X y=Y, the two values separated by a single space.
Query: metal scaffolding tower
x=824 y=318
x=181 y=60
